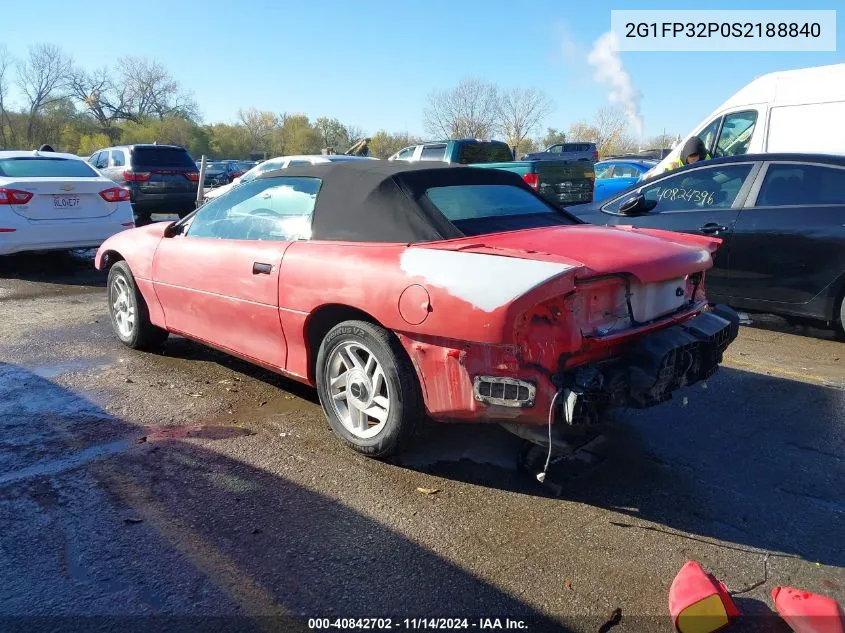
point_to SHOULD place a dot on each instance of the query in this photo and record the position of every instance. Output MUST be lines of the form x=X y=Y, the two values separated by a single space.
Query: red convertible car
x=404 y=291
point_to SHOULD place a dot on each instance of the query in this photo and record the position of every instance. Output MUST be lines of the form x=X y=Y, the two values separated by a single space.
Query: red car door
x=218 y=280
x=224 y=292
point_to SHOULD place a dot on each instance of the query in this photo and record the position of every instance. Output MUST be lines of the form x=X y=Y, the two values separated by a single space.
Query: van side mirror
x=636 y=205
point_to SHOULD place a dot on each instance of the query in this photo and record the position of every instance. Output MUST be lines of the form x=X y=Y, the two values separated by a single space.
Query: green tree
x=296 y=135
x=90 y=143
x=383 y=144
x=552 y=137
x=227 y=140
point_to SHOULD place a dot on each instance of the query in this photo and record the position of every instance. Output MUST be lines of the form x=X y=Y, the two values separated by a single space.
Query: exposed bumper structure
x=660 y=363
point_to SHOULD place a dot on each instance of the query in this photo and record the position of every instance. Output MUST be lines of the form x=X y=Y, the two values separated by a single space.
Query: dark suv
x=161 y=178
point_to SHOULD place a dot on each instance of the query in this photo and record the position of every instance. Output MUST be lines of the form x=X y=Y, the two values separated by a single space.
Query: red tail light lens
x=14 y=196
x=596 y=154
x=192 y=176
x=115 y=194
x=136 y=176
x=533 y=180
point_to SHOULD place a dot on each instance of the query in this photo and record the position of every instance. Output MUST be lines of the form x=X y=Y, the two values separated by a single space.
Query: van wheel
x=368 y=388
x=130 y=317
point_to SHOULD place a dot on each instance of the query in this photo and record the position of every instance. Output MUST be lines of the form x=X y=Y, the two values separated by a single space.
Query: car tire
x=143 y=219
x=382 y=406
x=130 y=317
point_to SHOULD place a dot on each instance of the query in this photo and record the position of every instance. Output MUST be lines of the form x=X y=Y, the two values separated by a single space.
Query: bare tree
x=42 y=77
x=6 y=62
x=522 y=113
x=107 y=101
x=259 y=127
x=152 y=91
x=469 y=110
x=609 y=131
x=662 y=141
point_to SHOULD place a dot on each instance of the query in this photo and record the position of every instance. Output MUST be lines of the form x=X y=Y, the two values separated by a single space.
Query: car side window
x=603 y=172
x=118 y=159
x=804 y=185
x=278 y=209
x=296 y=163
x=102 y=160
x=434 y=152
x=407 y=153
x=92 y=160
x=624 y=171
x=556 y=149
x=708 y=134
x=735 y=136
x=705 y=188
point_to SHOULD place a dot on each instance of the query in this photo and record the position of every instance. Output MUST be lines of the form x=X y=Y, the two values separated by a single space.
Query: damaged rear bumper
x=656 y=366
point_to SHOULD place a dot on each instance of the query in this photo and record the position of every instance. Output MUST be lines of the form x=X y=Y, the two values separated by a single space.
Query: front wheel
x=130 y=317
x=368 y=388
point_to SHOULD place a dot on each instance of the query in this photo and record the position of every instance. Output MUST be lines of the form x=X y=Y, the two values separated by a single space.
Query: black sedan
x=219 y=173
x=781 y=218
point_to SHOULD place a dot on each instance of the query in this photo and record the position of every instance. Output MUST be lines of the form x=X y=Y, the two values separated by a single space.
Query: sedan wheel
x=368 y=388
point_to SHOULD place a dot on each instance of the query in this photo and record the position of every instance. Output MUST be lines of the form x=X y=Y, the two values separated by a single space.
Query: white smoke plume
x=609 y=70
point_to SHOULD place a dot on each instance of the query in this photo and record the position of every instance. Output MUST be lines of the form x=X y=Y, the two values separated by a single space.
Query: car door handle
x=259 y=268
x=712 y=227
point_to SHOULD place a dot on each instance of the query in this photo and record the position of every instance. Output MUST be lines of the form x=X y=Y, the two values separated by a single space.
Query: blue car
x=613 y=176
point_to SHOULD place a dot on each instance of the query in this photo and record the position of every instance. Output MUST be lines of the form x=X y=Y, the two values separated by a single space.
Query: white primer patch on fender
x=486 y=281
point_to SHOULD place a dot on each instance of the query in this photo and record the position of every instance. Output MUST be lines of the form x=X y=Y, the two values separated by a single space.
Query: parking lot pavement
x=190 y=483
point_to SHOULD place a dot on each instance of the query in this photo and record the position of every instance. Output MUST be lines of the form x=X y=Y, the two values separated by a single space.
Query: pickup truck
x=567 y=151
x=562 y=182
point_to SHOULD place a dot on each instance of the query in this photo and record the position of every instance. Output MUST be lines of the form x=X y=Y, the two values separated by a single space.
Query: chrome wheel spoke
x=358 y=392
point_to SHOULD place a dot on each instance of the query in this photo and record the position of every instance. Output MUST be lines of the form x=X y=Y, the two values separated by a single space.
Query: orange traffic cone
x=698 y=602
x=807 y=612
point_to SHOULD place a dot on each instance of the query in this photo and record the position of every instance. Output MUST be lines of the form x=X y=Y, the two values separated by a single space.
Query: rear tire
x=130 y=317
x=368 y=388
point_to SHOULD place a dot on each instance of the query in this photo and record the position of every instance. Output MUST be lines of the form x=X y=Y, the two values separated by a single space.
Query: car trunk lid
x=62 y=198
x=565 y=183
x=598 y=251
x=163 y=170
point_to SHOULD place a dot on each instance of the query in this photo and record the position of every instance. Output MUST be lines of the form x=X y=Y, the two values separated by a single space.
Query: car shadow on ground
x=108 y=522
x=753 y=460
x=67 y=268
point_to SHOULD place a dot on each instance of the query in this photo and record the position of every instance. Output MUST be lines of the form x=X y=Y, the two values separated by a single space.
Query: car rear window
x=162 y=157
x=480 y=209
x=484 y=153
x=42 y=167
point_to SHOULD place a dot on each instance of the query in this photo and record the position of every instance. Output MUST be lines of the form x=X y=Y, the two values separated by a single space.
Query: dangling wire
x=541 y=477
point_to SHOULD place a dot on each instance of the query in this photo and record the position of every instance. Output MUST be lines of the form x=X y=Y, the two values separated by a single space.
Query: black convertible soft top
x=384 y=201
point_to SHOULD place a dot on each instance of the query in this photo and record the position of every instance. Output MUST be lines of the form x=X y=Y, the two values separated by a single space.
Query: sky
x=373 y=63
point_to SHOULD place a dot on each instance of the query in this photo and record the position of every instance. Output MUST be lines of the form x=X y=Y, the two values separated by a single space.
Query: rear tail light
x=193 y=176
x=115 y=194
x=533 y=180
x=596 y=155
x=14 y=196
x=136 y=176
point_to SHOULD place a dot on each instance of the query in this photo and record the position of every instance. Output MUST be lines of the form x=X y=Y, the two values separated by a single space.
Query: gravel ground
x=188 y=485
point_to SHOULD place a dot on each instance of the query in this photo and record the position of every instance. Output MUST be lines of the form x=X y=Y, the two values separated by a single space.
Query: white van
x=789 y=111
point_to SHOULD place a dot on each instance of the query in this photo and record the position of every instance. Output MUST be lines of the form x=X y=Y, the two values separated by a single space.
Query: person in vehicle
x=692 y=152
x=46 y=148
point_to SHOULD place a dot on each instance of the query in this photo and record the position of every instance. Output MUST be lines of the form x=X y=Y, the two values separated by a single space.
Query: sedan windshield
x=480 y=209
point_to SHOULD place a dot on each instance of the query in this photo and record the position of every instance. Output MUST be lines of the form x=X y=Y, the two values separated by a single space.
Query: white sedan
x=282 y=162
x=56 y=201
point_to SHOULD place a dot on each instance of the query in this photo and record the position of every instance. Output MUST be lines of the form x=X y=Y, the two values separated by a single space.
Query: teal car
x=613 y=176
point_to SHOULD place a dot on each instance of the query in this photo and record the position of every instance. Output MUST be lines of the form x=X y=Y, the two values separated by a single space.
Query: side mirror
x=173 y=229
x=636 y=205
